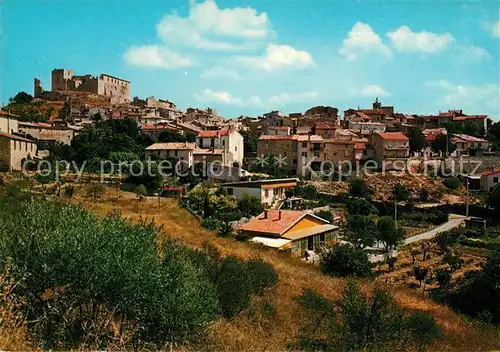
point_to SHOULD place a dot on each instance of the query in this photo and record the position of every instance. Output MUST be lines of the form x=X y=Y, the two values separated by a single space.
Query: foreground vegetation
x=83 y=281
x=242 y=311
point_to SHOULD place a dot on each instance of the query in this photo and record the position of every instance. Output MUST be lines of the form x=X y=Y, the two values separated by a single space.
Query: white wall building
x=230 y=141
x=14 y=150
x=268 y=191
x=183 y=152
x=490 y=179
x=8 y=123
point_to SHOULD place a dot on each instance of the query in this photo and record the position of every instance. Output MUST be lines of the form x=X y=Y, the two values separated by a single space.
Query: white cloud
x=404 y=40
x=493 y=28
x=223 y=97
x=361 y=41
x=476 y=99
x=242 y=22
x=286 y=98
x=373 y=90
x=470 y=54
x=209 y=27
x=279 y=57
x=156 y=56
x=220 y=72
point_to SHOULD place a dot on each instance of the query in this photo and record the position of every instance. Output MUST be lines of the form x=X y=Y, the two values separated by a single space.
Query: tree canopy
x=439 y=144
x=417 y=139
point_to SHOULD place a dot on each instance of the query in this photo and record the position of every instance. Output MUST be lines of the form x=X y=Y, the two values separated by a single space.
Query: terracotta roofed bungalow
x=289 y=230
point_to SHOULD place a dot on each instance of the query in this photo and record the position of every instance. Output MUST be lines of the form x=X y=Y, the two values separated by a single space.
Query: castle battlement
x=116 y=88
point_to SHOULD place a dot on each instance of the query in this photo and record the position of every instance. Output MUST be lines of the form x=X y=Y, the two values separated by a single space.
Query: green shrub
x=359 y=188
x=225 y=229
x=250 y=206
x=360 y=322
x=452 y=183
x=260 y=275
x=345 y=260
x=211 y=223
x=424 y=194
x=423 y=329
x=325 y=214
x=237 y=280
x=360 y=206
x=141 y=191
x=78 y=276
x=448 y=238
x=306 y=191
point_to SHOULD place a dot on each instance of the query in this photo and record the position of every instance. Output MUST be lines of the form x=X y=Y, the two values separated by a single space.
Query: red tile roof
x=393 y=136
x=276 y=137
x=14 y=137
x=172 y=146
x=468 y=138
x=273 y=224
x=469 y=117
x=490 y=172
x=213 y=134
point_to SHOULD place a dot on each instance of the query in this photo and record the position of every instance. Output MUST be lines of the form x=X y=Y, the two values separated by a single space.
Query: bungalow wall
x=311 y=243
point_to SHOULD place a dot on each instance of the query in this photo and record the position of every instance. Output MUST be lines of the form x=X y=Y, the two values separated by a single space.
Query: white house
x=230 y=141
x=8 y=122
x=490 y=179
x=182 y=151
x=268 y=191
x=372 y=127
x=14 y=150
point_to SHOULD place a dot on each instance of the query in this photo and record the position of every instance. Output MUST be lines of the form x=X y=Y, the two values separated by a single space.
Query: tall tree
x=494 y=198
x=389 y=234
x=439 y=144
x=417 y=139
x=360 y=230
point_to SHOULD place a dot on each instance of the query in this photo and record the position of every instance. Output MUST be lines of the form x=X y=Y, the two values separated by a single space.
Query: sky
x=250 y=57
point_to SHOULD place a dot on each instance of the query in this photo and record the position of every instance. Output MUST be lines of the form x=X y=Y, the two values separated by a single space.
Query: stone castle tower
x=38 y=88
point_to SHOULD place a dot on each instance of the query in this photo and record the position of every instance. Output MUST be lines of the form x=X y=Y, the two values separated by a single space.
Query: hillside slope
x=256 y=328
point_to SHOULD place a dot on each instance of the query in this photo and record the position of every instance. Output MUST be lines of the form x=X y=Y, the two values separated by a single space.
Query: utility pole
x=396 y=213
x=446 y=144
x=467 y=204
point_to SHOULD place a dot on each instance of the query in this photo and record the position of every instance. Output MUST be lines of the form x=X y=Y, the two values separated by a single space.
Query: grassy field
x=256 y=330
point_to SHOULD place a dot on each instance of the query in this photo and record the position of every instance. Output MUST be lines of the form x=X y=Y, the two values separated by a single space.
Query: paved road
x=454 y=220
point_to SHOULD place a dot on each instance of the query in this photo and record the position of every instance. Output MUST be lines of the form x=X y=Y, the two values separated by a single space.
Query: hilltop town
x=260 y=212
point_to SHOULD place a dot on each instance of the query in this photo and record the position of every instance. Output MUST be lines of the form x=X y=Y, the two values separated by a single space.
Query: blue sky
x=250 y=57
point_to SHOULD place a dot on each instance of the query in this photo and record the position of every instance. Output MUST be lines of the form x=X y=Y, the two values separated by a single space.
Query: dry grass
x=251 y=330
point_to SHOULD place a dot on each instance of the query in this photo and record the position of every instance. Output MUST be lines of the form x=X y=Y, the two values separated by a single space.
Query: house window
x=229 y=191
x=304 y=144
x=495 y=179
x=235 y=149
x=266 y=193
x=294 y=161
x=223 y=142
x=316 y=154
x=176 y=153
x=310 y=243
x=212 y=142
x=304 y=154
x=322 y=238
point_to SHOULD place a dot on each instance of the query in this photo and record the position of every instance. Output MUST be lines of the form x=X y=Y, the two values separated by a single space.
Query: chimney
x=279 y=214
x=265 y=214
